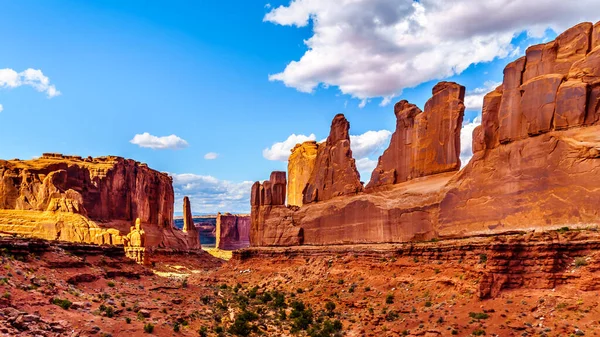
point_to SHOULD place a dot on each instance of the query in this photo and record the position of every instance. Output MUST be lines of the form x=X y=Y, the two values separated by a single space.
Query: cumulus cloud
x=281 y=150
x=466 y=139
x=1 y=108
x=369 y=143
x=211 y=156
x=35 y=78
x=397 y=44
x=147 y=140
x=210 y=195
x=474 y=99
x=365 y=167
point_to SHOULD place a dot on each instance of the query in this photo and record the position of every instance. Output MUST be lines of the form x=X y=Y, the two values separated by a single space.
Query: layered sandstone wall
x=535 y=165
x=536 y=160
x=233 y=231
x=90 y=200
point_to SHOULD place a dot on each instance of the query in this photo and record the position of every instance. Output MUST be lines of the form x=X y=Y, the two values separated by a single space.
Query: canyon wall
x=233 y=231
x=89 y=200
x=535 y=164
x=335 y=172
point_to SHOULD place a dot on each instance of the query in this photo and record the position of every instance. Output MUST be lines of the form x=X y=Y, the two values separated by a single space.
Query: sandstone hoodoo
x=335 y=172
x=535 y=165
x=233 y=231
x=424 y=143
x=189 y=229
x=90 y=200
x=301 y=164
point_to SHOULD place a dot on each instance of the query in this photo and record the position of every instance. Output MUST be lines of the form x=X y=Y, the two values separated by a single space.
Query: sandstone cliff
x=267 y=226
x=535 y=165
x=536 y=160
x=233 y=231
x=335 y=172
x=301 y=164
x=424 y=143
x=91 y=200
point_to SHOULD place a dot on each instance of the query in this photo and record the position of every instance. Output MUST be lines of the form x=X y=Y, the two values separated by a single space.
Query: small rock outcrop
x=301 y=164
x=135 y=243
x=233 y=231
x=335 y=172
x=424 y=143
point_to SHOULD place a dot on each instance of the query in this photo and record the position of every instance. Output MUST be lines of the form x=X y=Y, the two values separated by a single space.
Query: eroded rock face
x=91 y=200
x=536 y=160
x=424 y=143
x=335 y=170
x=266 y=229
x=233 y=231
x=190 y=232
x=300 y=167
x=543 y=171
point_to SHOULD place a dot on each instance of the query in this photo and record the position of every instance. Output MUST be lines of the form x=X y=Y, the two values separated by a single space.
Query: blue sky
x=200 y=70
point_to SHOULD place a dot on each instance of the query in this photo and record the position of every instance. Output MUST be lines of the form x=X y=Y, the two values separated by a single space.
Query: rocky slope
x=92 y=200
x=535 y=164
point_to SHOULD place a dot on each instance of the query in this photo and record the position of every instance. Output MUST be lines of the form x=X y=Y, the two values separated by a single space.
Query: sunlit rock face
x=535 y=164
x=91 y=200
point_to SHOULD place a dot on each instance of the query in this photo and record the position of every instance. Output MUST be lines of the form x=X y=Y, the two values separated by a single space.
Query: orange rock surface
x=536 y=161
x=335 y=170
x=424 y=143
x=301 y=164
x=91 y=200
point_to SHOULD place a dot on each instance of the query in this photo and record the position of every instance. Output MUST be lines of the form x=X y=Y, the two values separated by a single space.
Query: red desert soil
x=542 y=284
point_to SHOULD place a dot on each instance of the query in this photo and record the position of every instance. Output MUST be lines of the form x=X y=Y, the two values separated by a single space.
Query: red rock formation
x=233 y=231
x=189 y=229
x=335 y=170
x=424 y=143
x=545 y=171
x=266 y=229
x=536 y=161
x=301 y=164
x=87 y=200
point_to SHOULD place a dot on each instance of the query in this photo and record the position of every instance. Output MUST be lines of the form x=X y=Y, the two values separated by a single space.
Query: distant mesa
x=535 y=164
x=88 y=200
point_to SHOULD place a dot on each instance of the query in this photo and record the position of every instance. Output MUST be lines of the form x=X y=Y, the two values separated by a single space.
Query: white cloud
x=369 y=143
x=210 y=195
x=466 y=140
x=365 y=167
x=281 y=150
x=376 y=48
x=1 y=108
x=474 y=99
x=159 y=143
x=211 y=156
x=35 y=78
